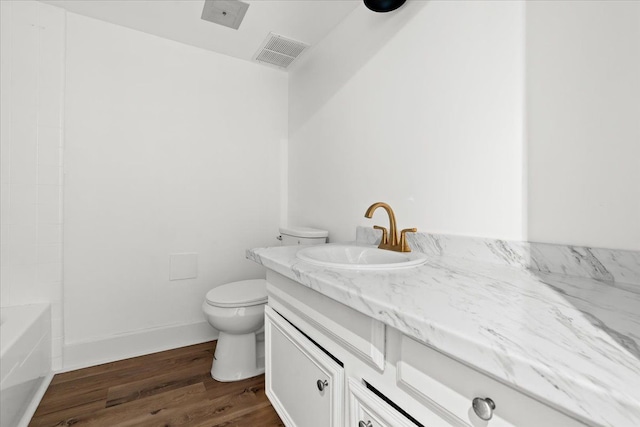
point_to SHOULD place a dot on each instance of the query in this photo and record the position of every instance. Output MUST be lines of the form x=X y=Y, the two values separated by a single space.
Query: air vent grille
x=285 y=47
x=279 y=51
x=274 y=58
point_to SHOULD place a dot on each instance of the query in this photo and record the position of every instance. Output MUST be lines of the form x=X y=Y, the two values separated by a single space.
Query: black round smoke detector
x=383 y=5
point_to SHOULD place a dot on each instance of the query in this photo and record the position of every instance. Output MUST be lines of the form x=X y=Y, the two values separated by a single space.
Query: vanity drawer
x=368 y=410
x=448 y=388
x=360 y=334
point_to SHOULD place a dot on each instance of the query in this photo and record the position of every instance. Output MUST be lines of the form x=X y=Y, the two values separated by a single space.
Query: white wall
x=169 y=149
x=421 y=108
x=517 y=120
x=31 y=87
x=173 y=149
x=583 y=116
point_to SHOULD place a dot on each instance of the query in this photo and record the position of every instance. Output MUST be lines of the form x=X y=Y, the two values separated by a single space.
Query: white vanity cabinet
x=368 y=410
x=328 y=365
x=304 y=384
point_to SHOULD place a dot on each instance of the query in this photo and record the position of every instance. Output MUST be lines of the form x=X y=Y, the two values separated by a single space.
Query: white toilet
x=236 y=309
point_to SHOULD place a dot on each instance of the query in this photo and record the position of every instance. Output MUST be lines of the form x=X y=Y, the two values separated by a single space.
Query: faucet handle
x=403 y=239
x=385 y=234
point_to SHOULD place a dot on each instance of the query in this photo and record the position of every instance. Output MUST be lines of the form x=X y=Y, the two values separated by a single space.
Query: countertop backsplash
x=618 y=267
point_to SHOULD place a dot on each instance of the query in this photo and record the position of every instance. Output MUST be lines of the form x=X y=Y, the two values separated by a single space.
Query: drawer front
x=360 y=334
x=448 y=388
x=304 y=384
x=368 y=410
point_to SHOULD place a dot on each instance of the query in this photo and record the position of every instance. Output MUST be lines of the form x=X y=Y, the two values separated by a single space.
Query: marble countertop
x=571 y=342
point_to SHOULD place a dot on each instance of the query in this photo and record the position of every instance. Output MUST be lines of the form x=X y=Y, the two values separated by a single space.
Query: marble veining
x=571 y=342
x=609 y=265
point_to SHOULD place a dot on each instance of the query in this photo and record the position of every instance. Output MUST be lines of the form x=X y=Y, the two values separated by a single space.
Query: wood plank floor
x=171 y=388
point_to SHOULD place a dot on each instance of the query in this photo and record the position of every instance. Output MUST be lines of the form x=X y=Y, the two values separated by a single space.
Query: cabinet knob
x=322 y=384
x=483 y=408
x=363 y=424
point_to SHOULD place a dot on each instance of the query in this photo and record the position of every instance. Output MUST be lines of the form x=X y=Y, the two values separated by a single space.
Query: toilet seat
x=245 y=293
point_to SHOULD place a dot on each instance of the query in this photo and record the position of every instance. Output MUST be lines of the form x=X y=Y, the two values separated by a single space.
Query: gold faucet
x=390 y=240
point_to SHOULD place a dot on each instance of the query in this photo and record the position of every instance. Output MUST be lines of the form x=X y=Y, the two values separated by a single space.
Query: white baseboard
x=90 y=353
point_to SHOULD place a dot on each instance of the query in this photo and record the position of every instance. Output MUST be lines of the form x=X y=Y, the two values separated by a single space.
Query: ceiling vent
x=229 y=13
x=279 y=51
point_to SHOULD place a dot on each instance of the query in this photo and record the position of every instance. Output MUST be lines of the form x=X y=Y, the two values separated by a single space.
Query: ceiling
x=307 y=21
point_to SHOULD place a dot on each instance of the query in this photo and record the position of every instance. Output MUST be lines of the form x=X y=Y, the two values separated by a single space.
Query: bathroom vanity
x=450 y=343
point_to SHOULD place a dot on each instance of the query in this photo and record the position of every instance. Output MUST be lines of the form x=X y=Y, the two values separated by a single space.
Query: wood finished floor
x=171 y=388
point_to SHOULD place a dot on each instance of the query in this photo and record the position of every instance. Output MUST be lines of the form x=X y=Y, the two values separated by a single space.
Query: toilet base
x=237 y=357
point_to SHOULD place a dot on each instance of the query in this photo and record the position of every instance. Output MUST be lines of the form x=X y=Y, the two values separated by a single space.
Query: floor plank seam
x=172 y=388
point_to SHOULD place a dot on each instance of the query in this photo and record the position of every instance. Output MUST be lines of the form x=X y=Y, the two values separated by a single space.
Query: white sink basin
x=360 y=257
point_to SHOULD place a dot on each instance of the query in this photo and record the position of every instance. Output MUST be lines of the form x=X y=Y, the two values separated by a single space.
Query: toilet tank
x=291 y=236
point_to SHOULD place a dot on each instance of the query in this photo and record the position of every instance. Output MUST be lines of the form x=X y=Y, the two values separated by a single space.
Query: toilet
x=236 y=309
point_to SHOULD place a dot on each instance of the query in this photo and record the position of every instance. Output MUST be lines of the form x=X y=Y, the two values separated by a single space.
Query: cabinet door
x=303 y=383
x=368 y=410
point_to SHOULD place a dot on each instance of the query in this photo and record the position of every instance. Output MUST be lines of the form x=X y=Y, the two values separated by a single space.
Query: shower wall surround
x=31 y=126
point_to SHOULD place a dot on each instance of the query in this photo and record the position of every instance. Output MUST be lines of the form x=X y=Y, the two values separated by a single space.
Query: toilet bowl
x=237 y=310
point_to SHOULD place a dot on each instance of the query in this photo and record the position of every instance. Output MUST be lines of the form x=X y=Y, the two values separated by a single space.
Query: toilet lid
x=239 y=294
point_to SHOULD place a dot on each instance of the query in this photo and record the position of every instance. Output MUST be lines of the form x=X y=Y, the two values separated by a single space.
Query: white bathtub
x=25 y=361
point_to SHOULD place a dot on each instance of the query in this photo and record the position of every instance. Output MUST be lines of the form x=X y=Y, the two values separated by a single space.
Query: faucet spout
x=390 y=241
x=393 y=234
